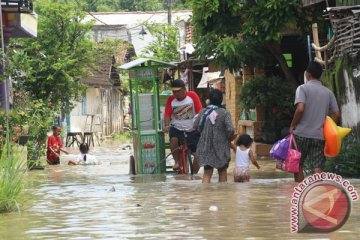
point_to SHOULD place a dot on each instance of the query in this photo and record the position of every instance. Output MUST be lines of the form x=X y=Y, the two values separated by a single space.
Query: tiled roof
x=104 y=75
x=100 y=76
x=189 y=33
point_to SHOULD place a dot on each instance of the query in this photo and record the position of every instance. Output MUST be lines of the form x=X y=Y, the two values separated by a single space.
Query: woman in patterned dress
x=217 y=132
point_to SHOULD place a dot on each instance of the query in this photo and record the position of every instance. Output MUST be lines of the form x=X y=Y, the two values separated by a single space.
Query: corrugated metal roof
x=343 y=8
x=128 y=25
x=141 y=61
x=131 y=19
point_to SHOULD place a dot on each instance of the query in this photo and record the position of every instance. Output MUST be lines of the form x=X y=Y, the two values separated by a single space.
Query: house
x=130 y=27
x=340 y=57
x=186 y=46
x=19 y=20
x=101 y=109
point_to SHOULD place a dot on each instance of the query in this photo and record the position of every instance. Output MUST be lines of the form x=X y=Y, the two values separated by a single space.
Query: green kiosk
x=148 y=137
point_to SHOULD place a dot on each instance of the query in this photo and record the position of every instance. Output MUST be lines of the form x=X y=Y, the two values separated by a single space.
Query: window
x=83 y=105
x=288 y=58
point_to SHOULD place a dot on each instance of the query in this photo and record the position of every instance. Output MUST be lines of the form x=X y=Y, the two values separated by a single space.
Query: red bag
x=292 y=161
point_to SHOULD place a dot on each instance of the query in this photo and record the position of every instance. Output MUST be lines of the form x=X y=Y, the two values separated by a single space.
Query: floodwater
x=105 y=202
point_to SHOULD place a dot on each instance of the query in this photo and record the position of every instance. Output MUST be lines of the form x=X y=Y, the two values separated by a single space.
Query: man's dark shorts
x=312 y=151
x=192 y=138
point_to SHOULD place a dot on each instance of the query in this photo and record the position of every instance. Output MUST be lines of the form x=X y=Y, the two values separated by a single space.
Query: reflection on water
x=104 y=202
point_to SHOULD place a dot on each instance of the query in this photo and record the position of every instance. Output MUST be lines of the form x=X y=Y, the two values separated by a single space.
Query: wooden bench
x=72 y=138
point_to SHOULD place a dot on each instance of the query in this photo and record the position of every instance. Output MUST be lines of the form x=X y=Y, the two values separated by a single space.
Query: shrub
x=277 y=97
x=347 y=163
x=29 y=117
x=266 y=91
x=12 y=172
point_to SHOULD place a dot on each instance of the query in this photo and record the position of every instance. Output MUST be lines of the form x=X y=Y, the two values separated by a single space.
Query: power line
x=152 y=15
x=96 y=18
x=91 y=14
x=119 y=36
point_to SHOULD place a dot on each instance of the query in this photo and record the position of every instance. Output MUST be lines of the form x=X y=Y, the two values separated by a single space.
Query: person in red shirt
x=54 y=146
x=180 y=110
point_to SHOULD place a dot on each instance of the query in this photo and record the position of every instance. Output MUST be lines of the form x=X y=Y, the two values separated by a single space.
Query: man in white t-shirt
x=180 y=110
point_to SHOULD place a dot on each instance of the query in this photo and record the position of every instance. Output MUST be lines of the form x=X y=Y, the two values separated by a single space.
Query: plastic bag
x=280 y=149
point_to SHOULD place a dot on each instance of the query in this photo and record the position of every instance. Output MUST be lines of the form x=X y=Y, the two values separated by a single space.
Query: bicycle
x=185 y=159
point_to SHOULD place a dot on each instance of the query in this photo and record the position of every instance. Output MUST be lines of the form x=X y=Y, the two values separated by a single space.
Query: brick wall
x=232 y=99
x=232 y=96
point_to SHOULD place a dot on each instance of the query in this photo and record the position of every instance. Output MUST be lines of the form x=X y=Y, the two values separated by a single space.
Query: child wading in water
x=84 y=158
x=243 y=157
x=54 y=147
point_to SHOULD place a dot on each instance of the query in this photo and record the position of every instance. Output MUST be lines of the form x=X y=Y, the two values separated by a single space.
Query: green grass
x=123 y=137
x=12 y=181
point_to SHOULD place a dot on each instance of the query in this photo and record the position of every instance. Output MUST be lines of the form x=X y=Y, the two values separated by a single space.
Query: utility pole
x=3 y=65
x=169 y=11
x=6 y=82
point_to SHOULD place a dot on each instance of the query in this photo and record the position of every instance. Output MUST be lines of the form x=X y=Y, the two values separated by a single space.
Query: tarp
x=138 y=62
x=208 y=77
x=187 y=48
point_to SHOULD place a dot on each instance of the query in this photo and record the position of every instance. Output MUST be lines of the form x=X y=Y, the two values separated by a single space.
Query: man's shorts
x=312 y=151
x=192 y=138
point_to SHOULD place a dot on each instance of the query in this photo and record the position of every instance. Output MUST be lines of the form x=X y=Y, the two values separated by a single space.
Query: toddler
x=243 y=157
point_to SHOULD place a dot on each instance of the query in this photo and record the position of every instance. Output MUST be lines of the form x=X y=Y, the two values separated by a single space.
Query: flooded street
x=105 y=202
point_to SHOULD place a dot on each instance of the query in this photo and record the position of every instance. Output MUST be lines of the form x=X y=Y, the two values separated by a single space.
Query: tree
x=165 y=45
x=127 y=5
x=132 y=5
x=144 y=5
x=50 y=66
x=236 y=32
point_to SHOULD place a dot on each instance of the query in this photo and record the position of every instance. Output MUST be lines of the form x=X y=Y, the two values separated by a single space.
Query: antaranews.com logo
x=321 y=203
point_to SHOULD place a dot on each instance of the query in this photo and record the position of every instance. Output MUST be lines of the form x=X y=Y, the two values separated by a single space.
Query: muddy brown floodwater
x=105 y=202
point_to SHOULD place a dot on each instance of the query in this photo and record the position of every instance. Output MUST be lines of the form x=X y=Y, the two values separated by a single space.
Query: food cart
x=147 y=124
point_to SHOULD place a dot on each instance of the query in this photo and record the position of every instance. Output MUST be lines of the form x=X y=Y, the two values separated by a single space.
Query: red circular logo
x=325 y=206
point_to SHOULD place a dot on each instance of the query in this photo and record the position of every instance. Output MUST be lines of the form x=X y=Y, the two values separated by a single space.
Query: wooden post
x=316 y=40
